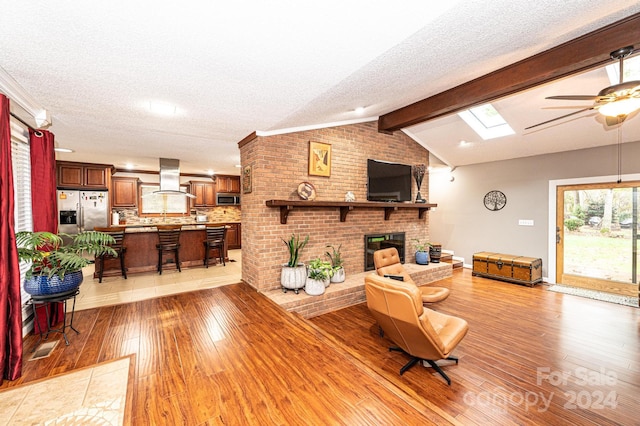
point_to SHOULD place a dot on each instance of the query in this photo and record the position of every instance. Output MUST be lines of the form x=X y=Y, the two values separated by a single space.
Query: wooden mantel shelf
x=345 y=207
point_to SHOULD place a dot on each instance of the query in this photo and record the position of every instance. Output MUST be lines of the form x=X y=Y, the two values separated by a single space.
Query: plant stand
x=46 y=300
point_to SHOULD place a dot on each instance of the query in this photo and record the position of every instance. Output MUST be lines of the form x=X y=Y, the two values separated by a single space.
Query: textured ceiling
x=235 y=67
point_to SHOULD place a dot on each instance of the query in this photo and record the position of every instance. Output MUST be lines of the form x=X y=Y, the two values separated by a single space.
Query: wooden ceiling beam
x=578 y=55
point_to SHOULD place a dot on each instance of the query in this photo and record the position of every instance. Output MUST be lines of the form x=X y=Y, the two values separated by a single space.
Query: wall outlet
x=525 y=222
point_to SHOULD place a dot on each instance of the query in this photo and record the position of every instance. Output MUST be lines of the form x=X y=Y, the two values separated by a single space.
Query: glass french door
x=597 y=237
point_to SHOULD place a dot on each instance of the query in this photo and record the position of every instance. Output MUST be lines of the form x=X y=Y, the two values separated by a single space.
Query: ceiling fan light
x=620 y=107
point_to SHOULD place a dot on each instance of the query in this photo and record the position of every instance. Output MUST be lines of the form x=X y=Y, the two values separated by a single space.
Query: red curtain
x=10 y=304
x=43 y=181
x=44 y=204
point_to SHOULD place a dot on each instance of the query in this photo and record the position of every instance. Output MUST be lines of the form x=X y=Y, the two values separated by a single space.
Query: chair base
x=160 y=259
x=208 y=248
x=100 y=266
x=414 y=360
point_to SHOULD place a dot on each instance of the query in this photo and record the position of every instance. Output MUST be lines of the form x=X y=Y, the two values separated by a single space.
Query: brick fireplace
x=279 y=163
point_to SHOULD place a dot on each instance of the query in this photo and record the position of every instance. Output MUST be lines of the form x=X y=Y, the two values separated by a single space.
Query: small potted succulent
x=318 y=277
x=56 y=266
x=335 y=257
x=422 y=252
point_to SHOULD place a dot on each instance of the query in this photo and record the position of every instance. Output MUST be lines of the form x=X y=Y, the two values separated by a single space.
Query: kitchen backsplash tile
x=214 y=214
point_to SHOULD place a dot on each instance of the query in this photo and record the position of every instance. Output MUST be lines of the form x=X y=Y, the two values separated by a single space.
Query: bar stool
x=169 y=241
x=117 y=232
x=215 y=240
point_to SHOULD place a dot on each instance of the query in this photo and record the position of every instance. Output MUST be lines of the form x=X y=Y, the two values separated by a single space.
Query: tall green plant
x=335 y=257
x=295 y=246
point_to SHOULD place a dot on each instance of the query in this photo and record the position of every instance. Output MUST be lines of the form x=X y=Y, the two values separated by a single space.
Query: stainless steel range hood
x=170 y=178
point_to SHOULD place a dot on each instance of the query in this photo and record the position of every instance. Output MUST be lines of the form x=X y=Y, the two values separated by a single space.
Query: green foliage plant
x=320 y=269
x=335 y=257
x=573 y=224
x=422 y=246
x=295 y=247
x=50 y=256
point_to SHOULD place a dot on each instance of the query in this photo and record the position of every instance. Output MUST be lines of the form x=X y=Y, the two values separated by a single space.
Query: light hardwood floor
x=229 y=355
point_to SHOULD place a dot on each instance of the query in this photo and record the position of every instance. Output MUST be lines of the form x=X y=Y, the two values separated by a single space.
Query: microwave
x=228 y=199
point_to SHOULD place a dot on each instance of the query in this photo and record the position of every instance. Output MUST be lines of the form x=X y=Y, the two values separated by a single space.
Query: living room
x=229 y=355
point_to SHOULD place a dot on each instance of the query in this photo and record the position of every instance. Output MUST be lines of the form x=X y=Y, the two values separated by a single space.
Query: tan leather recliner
x=420 y=332
x=387 y=262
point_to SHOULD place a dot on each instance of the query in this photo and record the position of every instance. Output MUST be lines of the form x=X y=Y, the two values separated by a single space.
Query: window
x=21 y=163
x=631 y=68
x=486 y=122
x=171 y=204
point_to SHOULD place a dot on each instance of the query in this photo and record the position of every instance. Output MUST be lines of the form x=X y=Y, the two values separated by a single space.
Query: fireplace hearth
x=373 y=242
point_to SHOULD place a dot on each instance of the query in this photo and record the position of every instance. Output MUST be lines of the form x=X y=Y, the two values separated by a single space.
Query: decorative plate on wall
x=307 y=191
x=495 y=200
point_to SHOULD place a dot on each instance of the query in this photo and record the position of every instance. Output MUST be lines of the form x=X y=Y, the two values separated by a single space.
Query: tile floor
x=93 y=396
x=116 y=290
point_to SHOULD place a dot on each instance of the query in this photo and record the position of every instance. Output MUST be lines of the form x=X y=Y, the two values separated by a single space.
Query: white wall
x=461 y=222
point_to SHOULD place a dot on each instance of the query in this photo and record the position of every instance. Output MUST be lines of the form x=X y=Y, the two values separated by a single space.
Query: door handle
x=558 y=239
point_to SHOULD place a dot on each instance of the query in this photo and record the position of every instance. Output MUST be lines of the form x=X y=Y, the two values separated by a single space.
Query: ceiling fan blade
x=575 y=97
x=612 y=121
x=559 y=118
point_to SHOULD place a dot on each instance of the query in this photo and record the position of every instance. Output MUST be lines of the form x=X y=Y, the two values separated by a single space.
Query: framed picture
x=246 y=179
x=319 y=159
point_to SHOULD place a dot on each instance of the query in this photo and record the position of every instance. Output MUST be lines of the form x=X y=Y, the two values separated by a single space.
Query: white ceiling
x=232 y=68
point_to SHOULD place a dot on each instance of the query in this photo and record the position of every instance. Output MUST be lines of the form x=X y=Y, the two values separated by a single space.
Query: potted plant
x=335 y=257
x=422 y=252
x=56 y=266
x=318 y=278
x=294 y=273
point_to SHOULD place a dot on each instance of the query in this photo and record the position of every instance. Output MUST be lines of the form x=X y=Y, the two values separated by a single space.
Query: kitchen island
x=142 y=255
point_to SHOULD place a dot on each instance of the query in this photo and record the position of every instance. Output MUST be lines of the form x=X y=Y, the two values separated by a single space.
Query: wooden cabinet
x=83 y=175
x=228 y=184
x=205 y=193
x=234 y=240
x=124 y=192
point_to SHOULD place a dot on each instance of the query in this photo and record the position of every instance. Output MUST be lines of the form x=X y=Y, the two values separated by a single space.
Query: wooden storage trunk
x=507 y=267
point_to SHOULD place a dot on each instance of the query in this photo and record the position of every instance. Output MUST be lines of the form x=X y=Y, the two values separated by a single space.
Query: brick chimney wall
x=280 y=162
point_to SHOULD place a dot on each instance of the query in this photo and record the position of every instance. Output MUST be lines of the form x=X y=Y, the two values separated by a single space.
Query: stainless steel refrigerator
x=80 y=210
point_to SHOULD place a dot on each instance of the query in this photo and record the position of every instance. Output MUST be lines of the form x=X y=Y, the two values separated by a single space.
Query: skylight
x=486 y=122
x=631 y=70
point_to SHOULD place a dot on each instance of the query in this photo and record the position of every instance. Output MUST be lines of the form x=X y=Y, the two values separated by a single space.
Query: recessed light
x=238 y=165
x=210 y=172
x=129 y=166
x=62 y=150
x=359 y=110
x=162 y=108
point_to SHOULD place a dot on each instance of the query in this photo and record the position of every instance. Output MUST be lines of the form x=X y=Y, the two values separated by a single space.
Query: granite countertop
x=151 y=227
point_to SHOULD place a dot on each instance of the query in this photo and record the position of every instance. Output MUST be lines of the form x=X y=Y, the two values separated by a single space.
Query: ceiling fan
x=614 y=102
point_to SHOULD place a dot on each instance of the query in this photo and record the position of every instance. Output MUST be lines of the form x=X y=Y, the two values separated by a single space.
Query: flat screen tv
x=388 y=181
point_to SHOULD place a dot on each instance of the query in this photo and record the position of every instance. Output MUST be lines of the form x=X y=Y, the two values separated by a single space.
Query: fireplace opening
x=373 y=242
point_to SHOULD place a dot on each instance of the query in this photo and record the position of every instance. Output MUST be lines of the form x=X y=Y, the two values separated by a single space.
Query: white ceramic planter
x=338 y=276
x=314 y=287
x=293 y=278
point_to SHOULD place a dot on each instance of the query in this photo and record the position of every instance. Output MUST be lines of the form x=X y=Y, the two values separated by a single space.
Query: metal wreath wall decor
x=495 y=200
